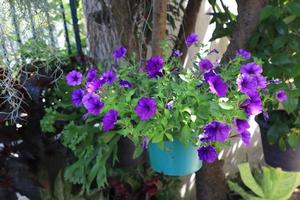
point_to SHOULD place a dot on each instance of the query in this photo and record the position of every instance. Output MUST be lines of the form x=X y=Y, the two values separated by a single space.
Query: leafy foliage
x=268 y=184
x=276 y=42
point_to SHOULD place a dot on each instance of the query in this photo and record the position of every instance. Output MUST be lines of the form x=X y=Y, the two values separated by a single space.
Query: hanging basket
x=175 y=159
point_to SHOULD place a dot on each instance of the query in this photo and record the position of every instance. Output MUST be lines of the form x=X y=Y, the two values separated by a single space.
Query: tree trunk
x=210 y=182
x=109 y=24
x=15 y=21
x=188 y=25
x=159 y=25
x=247 y=23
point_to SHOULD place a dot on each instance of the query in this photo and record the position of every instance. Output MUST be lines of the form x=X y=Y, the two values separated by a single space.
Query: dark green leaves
x=291 y=104
x=276 y=131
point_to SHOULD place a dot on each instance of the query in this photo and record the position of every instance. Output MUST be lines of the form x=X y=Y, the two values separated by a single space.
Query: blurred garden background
x=146 y=65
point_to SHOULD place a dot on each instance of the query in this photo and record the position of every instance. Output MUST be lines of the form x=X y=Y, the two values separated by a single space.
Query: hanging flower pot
x=175 y=159
x=287 y=159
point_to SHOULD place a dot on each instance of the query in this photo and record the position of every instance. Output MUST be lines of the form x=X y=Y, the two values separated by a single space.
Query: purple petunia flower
x=91 y=74
x=246 y=84
x=119 y=53
x=252 y=105
x=251 y=69
x=205 y=65
x=177 y=53
x=92 y=103
x=242 y=127
x=145 y=143
x=261 y=82
x=281 y=96
x=145 y=108
x=74 y=78
x=245 y=137
x=109 y=120
x=125 y=84
x=109 y=76
x=191 y=39
x=207 y=153
x=243 y=53
x=209 y=74
x=216 y=131
x=76 y=97
x=95 y=85
x=154 y=66
x=217 y=85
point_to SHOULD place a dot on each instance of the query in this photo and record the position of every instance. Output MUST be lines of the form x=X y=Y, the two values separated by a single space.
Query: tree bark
x=159 y=25
x=247 y=23
x=188 y=25
x=210 y=182
x=110 y=24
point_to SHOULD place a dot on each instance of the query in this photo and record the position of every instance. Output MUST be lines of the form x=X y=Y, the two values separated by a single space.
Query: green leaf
x=293 y=140
x=276 y=131
x=248 y=179
x=158 y=138
x=169 y=136
x=294 y=8
x=238 y=189
x=266 y=12
x=282 y=144
x=297 y=121
x=279 y=42
x=225 y=106
x=290 y=104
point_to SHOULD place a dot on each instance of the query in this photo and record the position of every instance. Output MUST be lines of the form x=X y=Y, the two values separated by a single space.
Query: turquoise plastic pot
x=175 y=159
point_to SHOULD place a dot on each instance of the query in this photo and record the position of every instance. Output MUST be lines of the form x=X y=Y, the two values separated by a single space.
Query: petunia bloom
x=217 y=85
x=205 y=65
x=207 y=153
x=251 y=69
x=109 y=120
x=242 y=127
x=74 y=78
x=252 y=105
x=76 y=97
x=145 y=108
x=177 y=53
x=191 y=39
x=216 y=131
x=154 y=66
x=261 y=82
x=281 y=96
x=209 y=74
x=95 y=85
x=92 y=103
x=246 y=84
x=109 y=76
x=91 y=74
x=243 y=53
x=125 y=84
x=119 y=53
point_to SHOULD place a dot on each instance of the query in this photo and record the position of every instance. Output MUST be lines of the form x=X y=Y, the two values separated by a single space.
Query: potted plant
x=184 y=115
x=279 y=127
x=278 y=45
